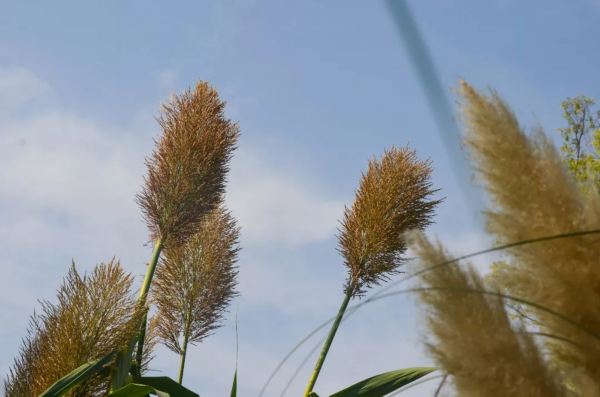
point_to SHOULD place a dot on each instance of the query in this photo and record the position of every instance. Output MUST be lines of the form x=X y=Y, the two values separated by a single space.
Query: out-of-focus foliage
x=581 y=138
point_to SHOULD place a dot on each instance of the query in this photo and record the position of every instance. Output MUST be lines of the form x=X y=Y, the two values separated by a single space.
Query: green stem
x=142 y=300
x=184 y=349
x=182 y=362
x=334 y=328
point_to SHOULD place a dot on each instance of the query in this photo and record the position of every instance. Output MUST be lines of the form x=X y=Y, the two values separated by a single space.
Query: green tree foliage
x=581 y=138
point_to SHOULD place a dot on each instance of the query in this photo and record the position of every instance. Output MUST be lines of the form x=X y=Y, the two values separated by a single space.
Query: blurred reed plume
x=187 y=171
x=531 y=196
x=94 y=315
x=391 y=199
x=196 y=282
x=471 y=337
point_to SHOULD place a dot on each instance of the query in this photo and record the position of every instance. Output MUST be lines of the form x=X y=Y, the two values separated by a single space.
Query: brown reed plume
x=532 y=195
x=187 y=171
x=196 y=282
x=471 y=337
x=94 y=315
x=186 y=176
x=391 y=199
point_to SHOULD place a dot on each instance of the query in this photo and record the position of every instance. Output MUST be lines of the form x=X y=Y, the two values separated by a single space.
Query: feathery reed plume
x=17 y=383
x=195 y=283
x=94 y=315
x=533 y=195
x=472 y=338
x=392 y=198
x=186 y=173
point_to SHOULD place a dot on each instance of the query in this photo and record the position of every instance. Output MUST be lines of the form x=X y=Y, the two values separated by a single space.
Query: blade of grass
x=165 y=384
x=234 y=386
x=416 y=384
x=383 y=384
x=429 y=80
x=499 y=295
x=78 y=375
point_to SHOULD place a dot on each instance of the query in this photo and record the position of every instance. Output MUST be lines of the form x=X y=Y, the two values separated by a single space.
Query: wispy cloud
x=273 y=207
x=18 y=86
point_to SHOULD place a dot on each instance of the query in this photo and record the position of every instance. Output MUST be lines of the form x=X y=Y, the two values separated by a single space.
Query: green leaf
x=381 y=385
x=165 y=384
x=234 y=387
x=78 y=375
x=136 y=390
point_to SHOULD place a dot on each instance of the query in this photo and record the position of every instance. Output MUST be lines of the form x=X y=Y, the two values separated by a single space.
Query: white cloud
x=17 y=86
x=274 y=207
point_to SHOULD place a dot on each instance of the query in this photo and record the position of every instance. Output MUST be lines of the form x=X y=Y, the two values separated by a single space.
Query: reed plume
x=187 y=171
x=392 y=198
x=186 y=174
x=94 y=315
x=471 y=337
x=195 y=283
x=532 y=195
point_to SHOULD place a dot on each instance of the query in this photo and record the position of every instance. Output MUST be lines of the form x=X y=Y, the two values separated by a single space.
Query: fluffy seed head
x=195 y=282
x=391 y=199
x=187 y=171
x=470 y=335
x=94 y=315
x=533 y=196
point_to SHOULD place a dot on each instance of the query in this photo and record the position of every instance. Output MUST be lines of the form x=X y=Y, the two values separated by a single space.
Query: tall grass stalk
x=393 y=197
x=327 y=345
x=143 y=297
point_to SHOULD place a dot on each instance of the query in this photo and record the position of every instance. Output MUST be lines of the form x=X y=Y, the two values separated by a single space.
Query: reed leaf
x=234 y=386
x=165 y=384
x=78 y=375
x=383 y=384
x=135 y=390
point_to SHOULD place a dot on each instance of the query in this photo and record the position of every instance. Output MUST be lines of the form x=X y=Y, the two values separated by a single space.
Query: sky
x=318 y=88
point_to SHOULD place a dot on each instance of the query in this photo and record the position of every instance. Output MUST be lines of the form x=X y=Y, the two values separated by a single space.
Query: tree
x=581 y=138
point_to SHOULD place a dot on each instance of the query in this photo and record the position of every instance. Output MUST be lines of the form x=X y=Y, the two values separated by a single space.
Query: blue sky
x=318 y=88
